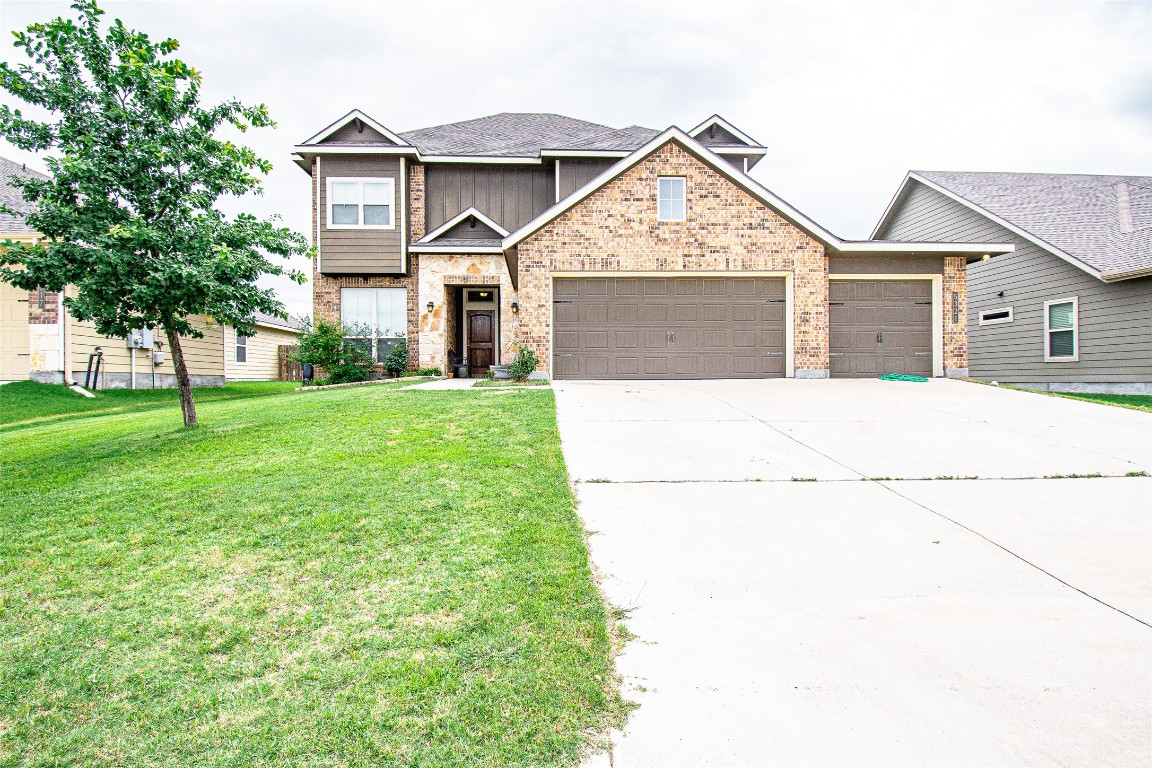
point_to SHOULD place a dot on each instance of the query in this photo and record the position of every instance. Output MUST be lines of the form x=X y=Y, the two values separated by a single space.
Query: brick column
x=955 y=333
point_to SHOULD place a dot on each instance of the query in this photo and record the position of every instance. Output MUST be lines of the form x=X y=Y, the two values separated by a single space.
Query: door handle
x=879 y=337
x=670 y=337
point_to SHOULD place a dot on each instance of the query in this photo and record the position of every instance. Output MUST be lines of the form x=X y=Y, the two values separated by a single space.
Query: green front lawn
x=364 y=576
x=23 y=401
x=1138 y=402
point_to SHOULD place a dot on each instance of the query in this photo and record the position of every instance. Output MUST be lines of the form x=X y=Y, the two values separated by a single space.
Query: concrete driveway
x=802 y=597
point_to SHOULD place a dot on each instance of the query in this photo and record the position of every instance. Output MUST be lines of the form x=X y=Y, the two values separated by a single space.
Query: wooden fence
x=289 y=369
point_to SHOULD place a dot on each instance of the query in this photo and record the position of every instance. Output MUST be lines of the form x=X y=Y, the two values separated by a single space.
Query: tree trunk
x=182 y=381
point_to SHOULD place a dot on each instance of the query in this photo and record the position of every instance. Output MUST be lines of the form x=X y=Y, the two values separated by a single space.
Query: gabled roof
x=1101 y=224
x=11 y=196
x=497 y=230
x=752 y=187
x=352 y=117
x=720 y=122
x=507 y=134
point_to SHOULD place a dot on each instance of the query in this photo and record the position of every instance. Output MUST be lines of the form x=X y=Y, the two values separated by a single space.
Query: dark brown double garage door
x=668 y=328
x=880 y=326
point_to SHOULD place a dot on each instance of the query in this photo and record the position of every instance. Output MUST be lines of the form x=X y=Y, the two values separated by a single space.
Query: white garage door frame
x=937 y=310
x=789 y=345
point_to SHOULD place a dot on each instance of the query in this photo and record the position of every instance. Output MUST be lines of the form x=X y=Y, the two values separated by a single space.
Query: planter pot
x=463 y=371
x=500 y=372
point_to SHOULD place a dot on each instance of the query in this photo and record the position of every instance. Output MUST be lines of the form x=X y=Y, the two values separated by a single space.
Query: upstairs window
x=241 y=348
x=670 y=198
x=1062 y=330
x=361 y=203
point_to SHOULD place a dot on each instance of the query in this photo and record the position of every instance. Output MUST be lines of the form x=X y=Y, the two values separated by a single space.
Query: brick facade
x=51 y=306
x=955 y=333
x=727 y=230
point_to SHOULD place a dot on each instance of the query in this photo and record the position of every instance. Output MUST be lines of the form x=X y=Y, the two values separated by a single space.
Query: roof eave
x=456 y=249
x=1131 y=274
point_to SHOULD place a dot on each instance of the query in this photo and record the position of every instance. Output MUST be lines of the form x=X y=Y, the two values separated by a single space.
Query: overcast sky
x=846 y=96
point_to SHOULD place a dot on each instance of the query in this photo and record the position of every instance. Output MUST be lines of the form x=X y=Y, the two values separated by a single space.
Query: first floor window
x=241 y=348
x=365 y=203
x=1061 y=330
x=670 y=198
x=377 y=316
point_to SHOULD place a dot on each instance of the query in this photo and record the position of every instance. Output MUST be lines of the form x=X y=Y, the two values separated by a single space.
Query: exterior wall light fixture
x=431 y=306
x=515 y=308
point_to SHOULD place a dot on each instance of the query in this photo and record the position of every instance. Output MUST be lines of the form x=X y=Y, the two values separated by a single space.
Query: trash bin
x=306 y=372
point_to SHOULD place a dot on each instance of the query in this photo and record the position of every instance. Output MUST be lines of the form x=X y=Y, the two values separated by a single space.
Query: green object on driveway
x=900 y=377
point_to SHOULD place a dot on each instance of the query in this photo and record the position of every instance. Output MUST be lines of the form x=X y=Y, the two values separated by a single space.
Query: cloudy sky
x=846 y=96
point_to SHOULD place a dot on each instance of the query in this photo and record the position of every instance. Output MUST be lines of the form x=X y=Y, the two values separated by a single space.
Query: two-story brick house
x=614 y=253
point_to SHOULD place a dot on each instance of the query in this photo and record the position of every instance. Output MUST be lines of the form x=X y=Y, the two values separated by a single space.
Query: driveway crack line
x=933 y=511
x=1019 y=557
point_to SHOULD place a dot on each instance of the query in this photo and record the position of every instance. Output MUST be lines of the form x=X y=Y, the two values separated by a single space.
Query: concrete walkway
x=790 y=611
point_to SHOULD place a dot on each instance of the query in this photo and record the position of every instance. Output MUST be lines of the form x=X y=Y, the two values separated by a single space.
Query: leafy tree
x=137 y=167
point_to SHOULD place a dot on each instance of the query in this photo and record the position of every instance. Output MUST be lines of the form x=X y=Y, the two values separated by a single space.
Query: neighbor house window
x=1062 y=330
x=365 y=203
x=241 y=348
x=996 y=316
x=378 y=316
x=670 y=198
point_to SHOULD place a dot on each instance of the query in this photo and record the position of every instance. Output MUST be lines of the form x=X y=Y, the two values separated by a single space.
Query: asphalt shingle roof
x=518 y=134
x=10 y=195
x=1103 y=221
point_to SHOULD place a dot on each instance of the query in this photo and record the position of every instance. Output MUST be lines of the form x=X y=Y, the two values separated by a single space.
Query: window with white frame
x=241 y=348
x=379 y=316
x=361 y=203
x=1062 y=330
x=996 y=316
x=670 y=198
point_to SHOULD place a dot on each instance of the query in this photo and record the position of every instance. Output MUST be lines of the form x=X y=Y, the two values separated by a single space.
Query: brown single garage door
x=668 y=328
x=880 y=326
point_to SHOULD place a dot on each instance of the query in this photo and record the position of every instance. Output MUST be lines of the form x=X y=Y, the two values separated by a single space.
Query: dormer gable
x=469 y=224
x=357 y=128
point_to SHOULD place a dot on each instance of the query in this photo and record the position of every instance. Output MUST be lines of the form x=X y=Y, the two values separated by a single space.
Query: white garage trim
x=937 y=311
x=789 y=319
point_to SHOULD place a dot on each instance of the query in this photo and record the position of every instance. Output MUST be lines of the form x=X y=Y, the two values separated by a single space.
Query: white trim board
x=460 y=217
x=1040 y=242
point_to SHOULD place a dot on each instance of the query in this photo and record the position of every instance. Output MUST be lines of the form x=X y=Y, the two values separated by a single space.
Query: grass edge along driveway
x=363 y=576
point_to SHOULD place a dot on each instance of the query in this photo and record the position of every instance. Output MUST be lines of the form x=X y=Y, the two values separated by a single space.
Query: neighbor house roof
x=272 y=321
x=11 y=196
x=1102 y=224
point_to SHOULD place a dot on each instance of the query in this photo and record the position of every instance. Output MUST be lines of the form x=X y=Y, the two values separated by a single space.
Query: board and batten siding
x=1115 y=319
x=510 y=195
x=573 y=174
x=361 y=251
x=263 y=363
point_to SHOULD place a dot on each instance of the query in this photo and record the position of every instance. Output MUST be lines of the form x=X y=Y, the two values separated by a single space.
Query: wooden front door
x=481 y=341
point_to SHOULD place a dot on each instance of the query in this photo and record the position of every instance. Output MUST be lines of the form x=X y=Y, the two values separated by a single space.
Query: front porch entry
x=474 y=333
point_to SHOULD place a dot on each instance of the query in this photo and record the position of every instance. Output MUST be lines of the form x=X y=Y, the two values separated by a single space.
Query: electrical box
x=140 y=339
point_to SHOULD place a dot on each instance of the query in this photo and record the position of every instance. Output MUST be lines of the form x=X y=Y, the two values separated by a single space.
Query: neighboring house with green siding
x=1070 y=309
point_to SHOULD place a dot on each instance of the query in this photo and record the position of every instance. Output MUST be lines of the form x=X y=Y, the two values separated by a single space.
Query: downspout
x=132 y=365
x=65 y=374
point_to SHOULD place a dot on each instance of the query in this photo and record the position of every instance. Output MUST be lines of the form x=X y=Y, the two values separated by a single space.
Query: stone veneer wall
x=727 y=230
x=955 y=334
x=326 y=288
x=438 y=273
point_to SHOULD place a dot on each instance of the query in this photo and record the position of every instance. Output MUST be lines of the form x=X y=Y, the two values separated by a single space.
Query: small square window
x=670 y=198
